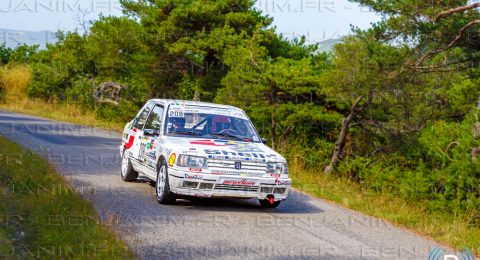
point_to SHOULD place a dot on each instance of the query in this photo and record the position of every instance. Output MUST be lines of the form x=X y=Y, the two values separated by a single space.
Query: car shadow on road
x=296 y=204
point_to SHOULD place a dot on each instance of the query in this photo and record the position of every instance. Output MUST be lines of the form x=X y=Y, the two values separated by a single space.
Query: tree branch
x=450 y=45
x=448 y=12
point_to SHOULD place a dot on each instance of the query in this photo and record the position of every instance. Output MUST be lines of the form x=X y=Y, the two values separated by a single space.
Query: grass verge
x=61 y=112
x=41 y=216
x=445 y=228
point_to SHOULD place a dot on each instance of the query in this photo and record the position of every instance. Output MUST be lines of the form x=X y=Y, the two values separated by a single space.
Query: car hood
x=223 y=149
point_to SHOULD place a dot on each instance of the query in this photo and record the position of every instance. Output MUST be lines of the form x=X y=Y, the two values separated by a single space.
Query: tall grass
x=66 y=112
x=14 y=81
x=446 y=228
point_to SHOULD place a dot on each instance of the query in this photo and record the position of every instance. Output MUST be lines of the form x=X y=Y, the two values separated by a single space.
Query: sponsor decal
x=171 y=160
x=233 y=145
x=276 y=175
x=280 y=182
x=195 y=170
x=233 y=172
x=232 y=153
x=189 y=151
x=193 y=176
x=129 y=144
x=239 y=182
x=235 y=158
x=152 y=155
x=207 y=142
x=151 y=144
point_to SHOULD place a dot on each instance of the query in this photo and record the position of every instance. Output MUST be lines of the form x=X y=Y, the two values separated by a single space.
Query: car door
x=135 y=149
x=151 y=134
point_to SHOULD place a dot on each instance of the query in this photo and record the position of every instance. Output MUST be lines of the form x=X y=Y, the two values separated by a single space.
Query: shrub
x=81 y=93
x=48 y=82
x=124 y=112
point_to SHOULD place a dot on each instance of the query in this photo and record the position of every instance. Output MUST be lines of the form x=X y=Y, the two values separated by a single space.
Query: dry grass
x=60 y=111
x=14 y=80
x=442 y=227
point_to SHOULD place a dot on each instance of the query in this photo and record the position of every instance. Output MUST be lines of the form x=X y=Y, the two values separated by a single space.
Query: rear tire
x=267 y=205
x=162 y=188
x=127 y=172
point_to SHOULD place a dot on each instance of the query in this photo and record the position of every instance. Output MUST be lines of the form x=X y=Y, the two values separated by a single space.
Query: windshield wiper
x=238 y=137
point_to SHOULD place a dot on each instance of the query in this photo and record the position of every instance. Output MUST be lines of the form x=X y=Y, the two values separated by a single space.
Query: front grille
x=266 y=189
x=190 y=184
x=279 y=190
x=236 y=187
x=230 y=165
x=206 y=186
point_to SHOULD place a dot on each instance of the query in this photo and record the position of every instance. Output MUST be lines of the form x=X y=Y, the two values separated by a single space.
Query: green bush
x=48 y=82
x=81 y=93
x=124 y=112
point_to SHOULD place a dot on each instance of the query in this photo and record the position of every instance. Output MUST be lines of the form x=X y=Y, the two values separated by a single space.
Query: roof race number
x=176 y=113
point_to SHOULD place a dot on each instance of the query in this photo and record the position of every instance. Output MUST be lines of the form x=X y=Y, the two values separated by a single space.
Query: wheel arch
x=160 y=161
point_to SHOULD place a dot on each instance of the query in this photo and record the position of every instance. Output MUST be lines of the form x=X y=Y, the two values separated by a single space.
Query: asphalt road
x=301 y=227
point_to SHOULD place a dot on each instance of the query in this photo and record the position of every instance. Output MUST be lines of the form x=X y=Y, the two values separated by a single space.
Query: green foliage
x=5 y=53
x=48 y=82
x=22 y=53
x=125 y=111
x=81 y=92
x=410 y=132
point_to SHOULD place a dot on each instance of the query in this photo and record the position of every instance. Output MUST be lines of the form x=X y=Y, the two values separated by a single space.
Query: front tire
x=128 y=173
x=267 y=205
x=164 y=195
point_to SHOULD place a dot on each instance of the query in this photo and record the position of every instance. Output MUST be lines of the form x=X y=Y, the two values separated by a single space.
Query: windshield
x=216 y=123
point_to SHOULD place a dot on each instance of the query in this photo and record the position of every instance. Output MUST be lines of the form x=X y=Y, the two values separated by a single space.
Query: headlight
x=277 y=168
x=192 y=161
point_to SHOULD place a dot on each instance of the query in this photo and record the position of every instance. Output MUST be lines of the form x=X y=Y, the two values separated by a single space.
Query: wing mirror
x=264 y=140
x=151 y=132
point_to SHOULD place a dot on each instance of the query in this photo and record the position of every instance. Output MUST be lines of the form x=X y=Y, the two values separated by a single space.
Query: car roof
x=191 y=103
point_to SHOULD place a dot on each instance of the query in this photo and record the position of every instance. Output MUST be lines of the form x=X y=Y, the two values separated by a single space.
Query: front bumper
x=226 y=186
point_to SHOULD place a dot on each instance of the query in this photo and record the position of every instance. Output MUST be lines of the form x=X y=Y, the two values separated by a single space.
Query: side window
x=154 y=121
x=143 y=116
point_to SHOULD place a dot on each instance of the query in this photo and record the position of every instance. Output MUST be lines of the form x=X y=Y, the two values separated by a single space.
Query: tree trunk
x=272 y=129
x=283 y=139
x=476 y=132
x=342 y=137
x=196 y=94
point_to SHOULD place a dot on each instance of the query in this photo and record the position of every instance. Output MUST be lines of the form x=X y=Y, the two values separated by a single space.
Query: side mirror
x=264 y=140
x=151 y=132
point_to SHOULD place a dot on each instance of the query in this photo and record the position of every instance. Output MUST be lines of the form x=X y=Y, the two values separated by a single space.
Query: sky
x=317 y=20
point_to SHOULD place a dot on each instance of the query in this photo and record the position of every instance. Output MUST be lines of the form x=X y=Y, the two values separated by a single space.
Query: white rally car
x=197 y=149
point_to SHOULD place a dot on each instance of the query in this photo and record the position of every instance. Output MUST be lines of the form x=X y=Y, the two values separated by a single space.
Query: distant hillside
x=14 y=38
x=326 y=46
